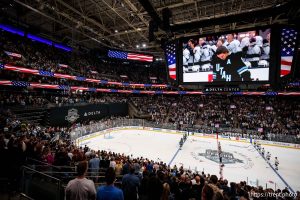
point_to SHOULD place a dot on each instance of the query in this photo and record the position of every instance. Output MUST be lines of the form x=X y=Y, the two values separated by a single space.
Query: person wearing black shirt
x=229 y=66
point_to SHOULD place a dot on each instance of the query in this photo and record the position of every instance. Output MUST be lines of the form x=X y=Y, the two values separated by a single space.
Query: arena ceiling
x=124 y=24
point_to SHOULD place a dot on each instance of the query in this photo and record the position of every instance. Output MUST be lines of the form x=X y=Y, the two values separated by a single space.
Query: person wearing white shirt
x=232 y=44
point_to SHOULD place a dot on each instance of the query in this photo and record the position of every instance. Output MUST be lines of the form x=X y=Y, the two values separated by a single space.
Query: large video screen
x=232 y=57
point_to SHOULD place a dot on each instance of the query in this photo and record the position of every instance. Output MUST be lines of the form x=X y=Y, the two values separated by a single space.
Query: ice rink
x=243 y=163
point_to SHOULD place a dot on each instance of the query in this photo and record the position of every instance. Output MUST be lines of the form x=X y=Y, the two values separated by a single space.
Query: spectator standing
x=94 y=166
x=81 y=188
x=109 y=191
x=130 y=184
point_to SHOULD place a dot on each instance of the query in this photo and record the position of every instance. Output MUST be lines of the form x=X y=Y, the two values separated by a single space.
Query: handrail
x=25 y=196
x=47 y=164
x=30 y=169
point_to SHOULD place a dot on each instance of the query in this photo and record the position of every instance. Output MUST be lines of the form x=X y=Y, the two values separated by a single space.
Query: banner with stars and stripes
x=130 y=56
x=170 y=52
x=288 y=44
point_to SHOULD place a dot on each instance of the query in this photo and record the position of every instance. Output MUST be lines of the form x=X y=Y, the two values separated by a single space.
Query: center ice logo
x=213 y=155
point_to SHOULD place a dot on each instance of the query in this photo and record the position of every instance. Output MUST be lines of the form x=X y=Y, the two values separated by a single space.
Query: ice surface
x=249 y=166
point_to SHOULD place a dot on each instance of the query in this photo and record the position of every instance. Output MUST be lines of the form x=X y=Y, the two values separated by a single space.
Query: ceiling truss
x=124 y=24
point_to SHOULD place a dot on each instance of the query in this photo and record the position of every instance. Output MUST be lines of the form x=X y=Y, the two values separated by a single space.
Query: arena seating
x=34 y=147
x=42 y=57
x=275 y=115
x=25 y=140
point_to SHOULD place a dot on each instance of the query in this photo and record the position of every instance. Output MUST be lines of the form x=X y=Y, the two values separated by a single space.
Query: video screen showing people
x=242 y=56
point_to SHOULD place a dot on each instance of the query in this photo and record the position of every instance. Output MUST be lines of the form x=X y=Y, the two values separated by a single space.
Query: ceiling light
x=116 y=31
x=137 y=46
x=144 y=45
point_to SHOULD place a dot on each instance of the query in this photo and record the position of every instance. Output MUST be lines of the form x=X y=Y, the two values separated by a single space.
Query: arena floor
x=244 y=162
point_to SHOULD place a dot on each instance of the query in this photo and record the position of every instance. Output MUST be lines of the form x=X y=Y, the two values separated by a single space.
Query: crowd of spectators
x=276 y=115
x=279 y=115
x=140 y=178
x=271 y=115
x=44 y=57
x=25 y=98
x=143 y=178
x=156 y=106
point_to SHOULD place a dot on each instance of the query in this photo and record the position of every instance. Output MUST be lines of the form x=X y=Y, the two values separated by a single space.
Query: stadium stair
x=134 y=112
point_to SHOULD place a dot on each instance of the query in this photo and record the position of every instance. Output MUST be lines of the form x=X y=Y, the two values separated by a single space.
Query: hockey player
x=265 y=50
x=191 y=63
x=229 y=66
x=259 y=40
x=232 y=44
x=180 y=143
x=258 y=147
x=220 y=42
x=206 y=54
x=276 y=163
x=268 y=156
x=263 y=152
x=253 y=53
x=197 y=57
x=220 y=154
x=186 y=58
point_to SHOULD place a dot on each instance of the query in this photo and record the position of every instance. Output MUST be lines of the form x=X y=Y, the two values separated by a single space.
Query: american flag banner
x=93 y=72
x=151 y=92
x=20 y=83
x=170 y=52
x=64 y=76
x=70 y=77
x=20 y=69
x=46 y=73
x=288 y=44
x=80 y=78
x=91 y=80
x=129 y=56
x=5 y=82
x=44 y=86
x=136 y=91
x=63 y=87
x=137 y=84
x=15 y=55
x=103 y=82
x=63 y=65
x=79 y=88
x=92 y=89
x=114 y=83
